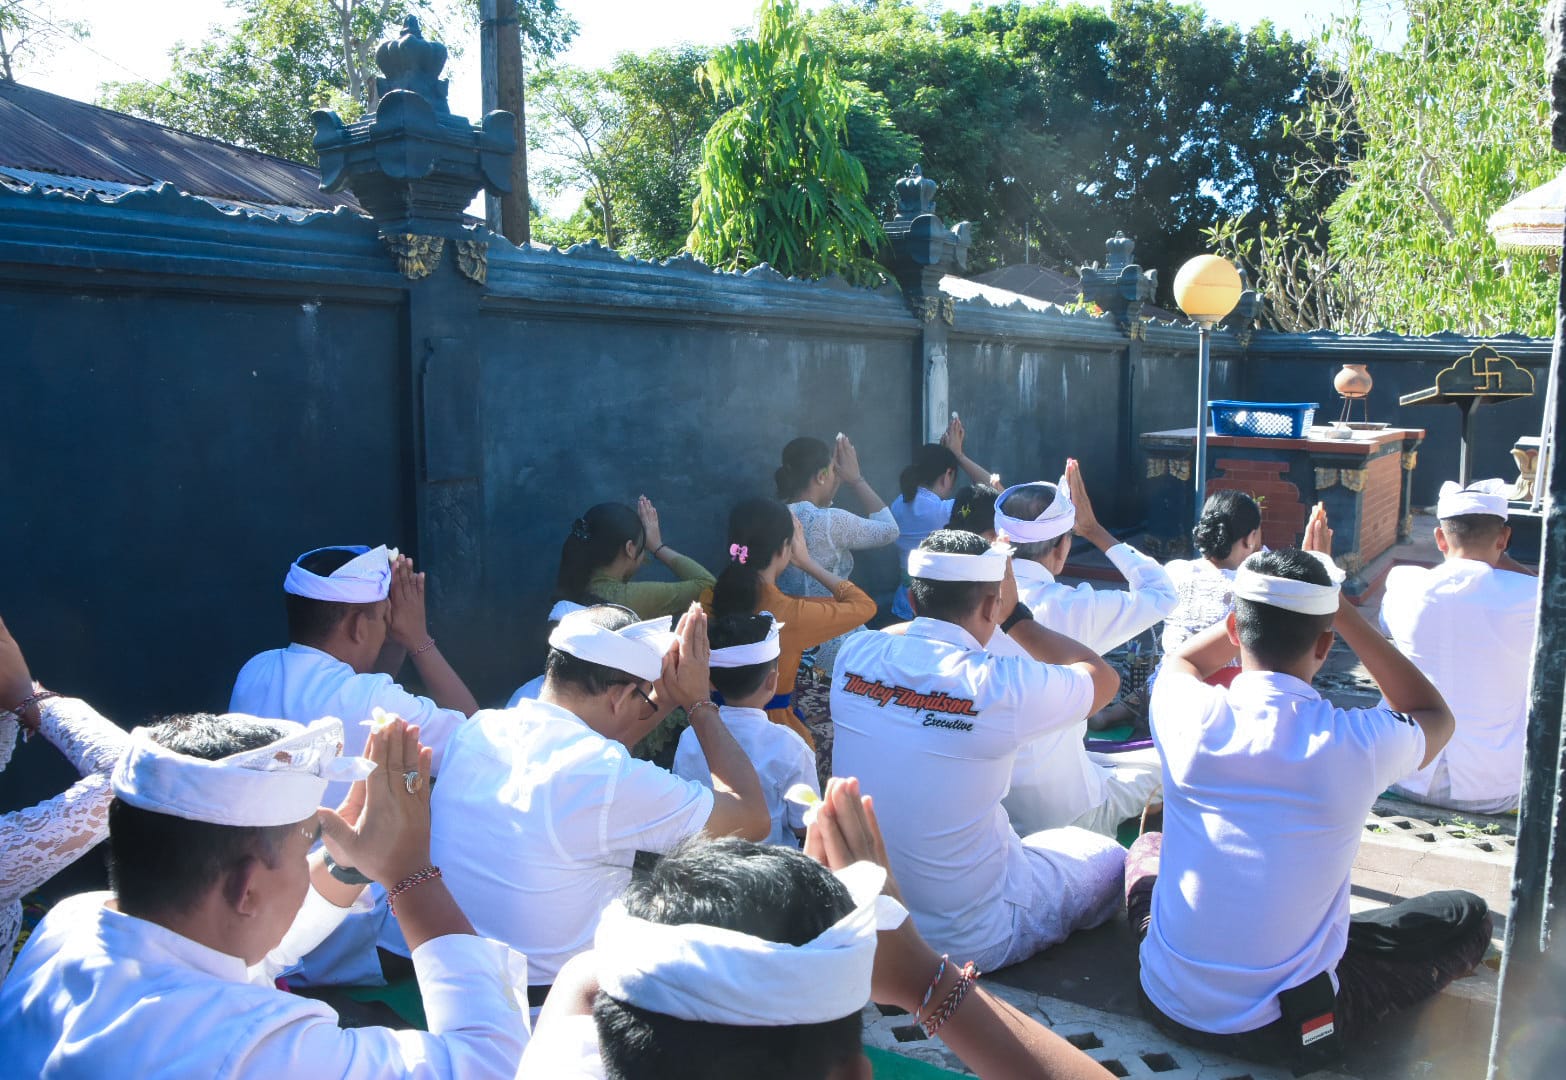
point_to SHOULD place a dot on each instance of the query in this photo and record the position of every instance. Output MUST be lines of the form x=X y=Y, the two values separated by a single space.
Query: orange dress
x=807 y=621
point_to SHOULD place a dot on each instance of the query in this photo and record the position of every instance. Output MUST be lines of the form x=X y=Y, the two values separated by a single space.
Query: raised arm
x=953 y=440
x=846 y=459
x=410 y=629
x=989 y=1036
x=1048 y=647
x=739 y=805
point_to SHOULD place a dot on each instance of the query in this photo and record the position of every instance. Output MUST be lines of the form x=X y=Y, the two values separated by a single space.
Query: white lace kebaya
x=39 y=841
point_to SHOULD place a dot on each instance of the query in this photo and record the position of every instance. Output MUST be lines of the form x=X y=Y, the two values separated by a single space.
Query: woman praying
x=1228 y=533
x=764 y=540
x=808 y=480
x=608 y=545
x=925 y=502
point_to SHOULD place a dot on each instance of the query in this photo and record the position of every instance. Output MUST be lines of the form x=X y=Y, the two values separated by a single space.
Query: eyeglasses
x=651 y=704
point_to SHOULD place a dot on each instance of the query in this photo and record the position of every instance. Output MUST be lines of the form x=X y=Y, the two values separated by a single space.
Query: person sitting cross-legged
x=214 y=894
x=541 y=809
x=744 y=674
x=1244 y=897
x=732 y=959
x=355 y=614
x=1055 y=780
x=929 y=719
x=1468 y=624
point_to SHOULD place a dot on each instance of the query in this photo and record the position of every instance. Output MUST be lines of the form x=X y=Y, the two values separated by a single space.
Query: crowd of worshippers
x=302 y=839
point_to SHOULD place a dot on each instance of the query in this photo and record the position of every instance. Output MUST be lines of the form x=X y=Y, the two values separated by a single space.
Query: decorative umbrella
x=1533 y=220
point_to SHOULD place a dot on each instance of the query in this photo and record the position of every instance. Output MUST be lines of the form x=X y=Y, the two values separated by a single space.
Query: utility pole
x=500 y=47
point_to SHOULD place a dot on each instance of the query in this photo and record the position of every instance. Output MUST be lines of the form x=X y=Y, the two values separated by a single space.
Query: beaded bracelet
x=691 y=712
x=965 y=980
x=28 y=702
x=429 y=873
x=940 y=971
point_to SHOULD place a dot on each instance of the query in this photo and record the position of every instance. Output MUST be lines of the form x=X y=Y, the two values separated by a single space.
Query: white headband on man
x=637 y=649
x=276 y=784
x=563 y=608
x=1479 y=497
x=364 y=579
x=1288 y=594
x=953 y=566
x=756 y=652
x=705 y=973
x=1056 y=519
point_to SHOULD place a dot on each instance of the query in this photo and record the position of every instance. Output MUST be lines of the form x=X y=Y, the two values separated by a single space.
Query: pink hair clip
x=739 y=553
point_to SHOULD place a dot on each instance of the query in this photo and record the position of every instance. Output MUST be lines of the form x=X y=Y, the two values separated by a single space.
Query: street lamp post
x=1207 y=289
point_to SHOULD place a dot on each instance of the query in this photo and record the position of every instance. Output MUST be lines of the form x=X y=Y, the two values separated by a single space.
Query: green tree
x=778 y=184
x=256 y=83
x=32 y=31
x=584 y=133
x=1453 y=124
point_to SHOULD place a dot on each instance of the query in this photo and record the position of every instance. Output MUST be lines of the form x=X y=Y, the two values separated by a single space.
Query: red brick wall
x=1379 y=505
x=1283 y=515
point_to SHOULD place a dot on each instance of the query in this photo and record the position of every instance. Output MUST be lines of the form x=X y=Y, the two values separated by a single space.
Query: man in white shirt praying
x=542 y=809
x=1468 y=624
x=930 y=718
x=171 y=974
x=744 y=674
x=354 y=615
x=1057 y=781
x=1244 y=897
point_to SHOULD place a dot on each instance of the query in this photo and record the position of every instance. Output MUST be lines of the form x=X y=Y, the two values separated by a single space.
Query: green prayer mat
x=401 y=997
x=888 y=1066
x=1118 y=733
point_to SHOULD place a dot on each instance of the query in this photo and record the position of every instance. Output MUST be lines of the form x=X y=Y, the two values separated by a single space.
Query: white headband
x=1056 y=519
x=637 y=649
x=951 y=566
x=1479 y=497
x=756 y=652
x=563 y=608
x=364 y=579
x=1290 y=595
x=705 y=973
x=276 y=784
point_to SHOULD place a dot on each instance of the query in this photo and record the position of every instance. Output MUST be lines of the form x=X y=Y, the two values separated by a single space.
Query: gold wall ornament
x=1405 y=528
x=1326 y=478
x=1351 y=564
x=1156 y=467
x=473 y=260
x=931 y=308
x=417 y=256
x=1353 y=479
x=1410 y=459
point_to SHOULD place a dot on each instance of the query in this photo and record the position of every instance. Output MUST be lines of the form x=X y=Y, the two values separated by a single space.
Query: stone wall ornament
x=417 y=256
x=1121 y=288
x=413 y=164
x=473 y=260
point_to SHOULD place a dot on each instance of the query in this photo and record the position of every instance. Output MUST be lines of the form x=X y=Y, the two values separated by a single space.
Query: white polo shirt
x=930 y=722
x=1266 y=789
x=1101 y=619
x=303 y=684
x=1469 y=627
x=781 y=759
x=536 y=821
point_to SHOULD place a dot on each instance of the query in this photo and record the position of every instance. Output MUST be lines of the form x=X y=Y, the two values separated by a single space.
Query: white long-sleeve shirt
x=1101 y=619
x=1053 y=780
x=97 y=992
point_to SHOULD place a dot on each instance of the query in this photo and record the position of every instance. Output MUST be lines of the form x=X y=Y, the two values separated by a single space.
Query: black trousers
x=1396 y=957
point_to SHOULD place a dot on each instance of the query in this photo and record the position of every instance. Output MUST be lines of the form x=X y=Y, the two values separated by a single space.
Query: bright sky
x=130 y=41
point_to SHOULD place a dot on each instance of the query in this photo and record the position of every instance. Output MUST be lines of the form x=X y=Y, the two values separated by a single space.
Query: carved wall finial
x=915 y=194
x=408 y=62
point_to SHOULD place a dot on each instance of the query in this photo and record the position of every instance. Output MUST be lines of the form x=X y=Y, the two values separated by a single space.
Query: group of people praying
x=850 y=814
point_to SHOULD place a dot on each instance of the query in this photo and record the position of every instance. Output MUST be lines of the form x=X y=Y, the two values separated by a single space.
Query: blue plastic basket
x=1262 y=419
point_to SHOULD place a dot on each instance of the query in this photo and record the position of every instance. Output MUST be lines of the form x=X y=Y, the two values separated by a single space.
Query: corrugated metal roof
x=45 y=133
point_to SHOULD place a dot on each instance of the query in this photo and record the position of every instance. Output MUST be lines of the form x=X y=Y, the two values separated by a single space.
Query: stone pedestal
x=1364 y=483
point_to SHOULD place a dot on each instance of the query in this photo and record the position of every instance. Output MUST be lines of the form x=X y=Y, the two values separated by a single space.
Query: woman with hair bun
x=608 y=545
x=925 y=500
x=765 y=538
x=808 y=480
x=1228 y=533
